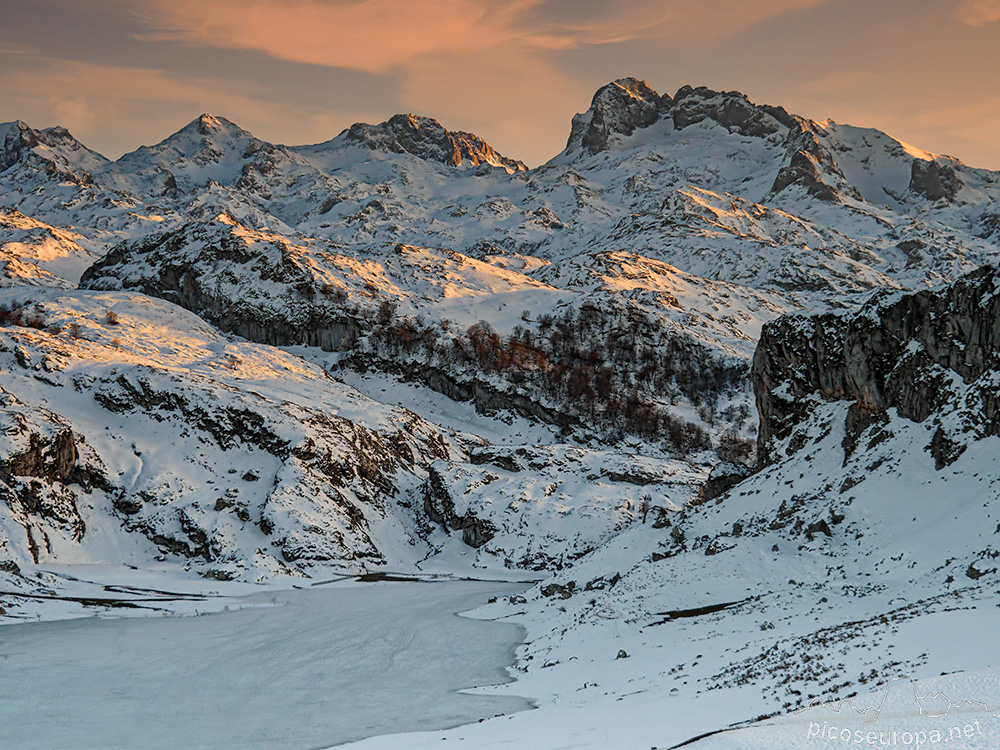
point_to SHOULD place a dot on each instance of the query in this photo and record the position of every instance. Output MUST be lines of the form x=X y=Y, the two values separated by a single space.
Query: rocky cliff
x=930 y=355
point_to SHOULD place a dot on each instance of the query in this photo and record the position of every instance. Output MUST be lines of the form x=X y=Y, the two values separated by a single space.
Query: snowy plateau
x=688 y=437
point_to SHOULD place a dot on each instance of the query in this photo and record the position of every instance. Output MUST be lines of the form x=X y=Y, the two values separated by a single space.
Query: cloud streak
x=378 y=35
x=370 y=35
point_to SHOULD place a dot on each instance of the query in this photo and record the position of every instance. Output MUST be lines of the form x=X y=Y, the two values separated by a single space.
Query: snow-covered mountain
x=399 y=350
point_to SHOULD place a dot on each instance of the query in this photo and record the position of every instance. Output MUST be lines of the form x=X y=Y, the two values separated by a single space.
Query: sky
x=122 y=73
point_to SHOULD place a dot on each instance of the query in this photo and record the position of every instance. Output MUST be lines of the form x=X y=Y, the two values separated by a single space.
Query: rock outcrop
x=428 y=139
x=731 y=109
x=934 y=180
x=629 y=104
x=205 y=268
x=440 y=508
x=44 y=467
x=925 y=354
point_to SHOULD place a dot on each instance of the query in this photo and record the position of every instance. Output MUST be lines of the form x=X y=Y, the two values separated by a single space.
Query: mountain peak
x=54 y=150
x=619 y=108
x=9 y=127
x=207 y=133
x=428 y=139
x=211 y=122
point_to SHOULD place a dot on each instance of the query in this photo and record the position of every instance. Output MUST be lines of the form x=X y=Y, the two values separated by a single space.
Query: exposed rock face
x=723 y=478
x=475 y=150
x=934 y=180
x=203 y=269
x=923 y=354
x=52 y=151
x=50 y=460
x=18 y=139
x=803 y=169
x=812 y=166
x=440 y=508
x=617 y=109
x=730 y=109
x=428 y=139
x=40 y=459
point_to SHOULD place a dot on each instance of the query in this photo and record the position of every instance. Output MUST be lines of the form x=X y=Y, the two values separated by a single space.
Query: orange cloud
x=979 y=12
x=378 y=35
x=369 y=35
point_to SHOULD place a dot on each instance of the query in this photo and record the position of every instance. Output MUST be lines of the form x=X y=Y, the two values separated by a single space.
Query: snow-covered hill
x=133 y=430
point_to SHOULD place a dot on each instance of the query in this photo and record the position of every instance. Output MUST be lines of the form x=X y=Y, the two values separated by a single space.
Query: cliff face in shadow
x=928 y=355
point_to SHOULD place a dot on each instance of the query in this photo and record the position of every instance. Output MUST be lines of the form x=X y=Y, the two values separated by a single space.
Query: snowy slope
x=848 y=586
x=135 y=430
x=32 y=252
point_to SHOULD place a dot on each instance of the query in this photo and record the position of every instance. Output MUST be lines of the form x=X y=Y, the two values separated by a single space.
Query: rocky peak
x=17 y=138
x=428 y=139
x=206 y=137
x=477 y=151
x=207 y=124
x=208 y=149
x=619 y=108
x=628 y=104
x=731 y=109
x=53 y=151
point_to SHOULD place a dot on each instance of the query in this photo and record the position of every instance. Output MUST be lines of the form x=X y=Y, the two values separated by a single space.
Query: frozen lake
x=326 y=665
